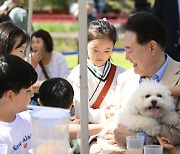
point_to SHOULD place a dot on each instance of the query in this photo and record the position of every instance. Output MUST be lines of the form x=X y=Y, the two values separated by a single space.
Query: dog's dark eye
x=147 y=96
x=159 y=95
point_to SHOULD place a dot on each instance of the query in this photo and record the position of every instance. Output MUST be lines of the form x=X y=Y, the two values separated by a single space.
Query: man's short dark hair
x=147 y=27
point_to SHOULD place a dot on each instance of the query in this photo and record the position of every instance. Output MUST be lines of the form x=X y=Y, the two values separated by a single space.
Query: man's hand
x=120 y=134
x=110 y=137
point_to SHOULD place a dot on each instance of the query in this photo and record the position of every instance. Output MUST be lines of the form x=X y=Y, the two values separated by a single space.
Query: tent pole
x=29 y=26
x=82 y=36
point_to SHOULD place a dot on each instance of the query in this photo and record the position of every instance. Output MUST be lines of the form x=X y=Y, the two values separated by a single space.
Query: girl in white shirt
x=102 y=37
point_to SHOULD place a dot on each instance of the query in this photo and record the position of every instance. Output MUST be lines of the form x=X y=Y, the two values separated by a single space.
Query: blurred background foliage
x=126 y=6
x=50 y=5
x=62 y=6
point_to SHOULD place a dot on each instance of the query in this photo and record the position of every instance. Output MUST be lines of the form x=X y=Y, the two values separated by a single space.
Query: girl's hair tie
x=104 y=19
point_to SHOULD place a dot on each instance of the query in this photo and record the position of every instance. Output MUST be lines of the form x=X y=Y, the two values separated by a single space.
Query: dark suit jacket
x=167 y=10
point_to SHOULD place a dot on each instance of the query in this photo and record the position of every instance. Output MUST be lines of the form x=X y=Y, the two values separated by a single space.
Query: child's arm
x=93 y=129
x=175 y=91
x=166 y=144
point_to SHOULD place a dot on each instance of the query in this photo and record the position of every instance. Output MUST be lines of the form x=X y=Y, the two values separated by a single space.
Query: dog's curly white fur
x=150 y=105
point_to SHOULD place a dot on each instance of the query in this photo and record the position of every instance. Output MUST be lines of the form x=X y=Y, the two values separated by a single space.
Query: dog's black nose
x=154 y=102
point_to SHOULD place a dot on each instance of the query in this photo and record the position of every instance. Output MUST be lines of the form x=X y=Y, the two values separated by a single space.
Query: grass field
x=118 y=58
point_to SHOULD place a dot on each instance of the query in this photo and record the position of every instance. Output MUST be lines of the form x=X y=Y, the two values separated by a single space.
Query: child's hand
x=35 y=87
x=165 y=142
x=109 y=113
x=75 y=119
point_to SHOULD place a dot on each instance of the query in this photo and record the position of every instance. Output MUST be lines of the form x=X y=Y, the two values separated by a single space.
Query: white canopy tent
x=82 y=37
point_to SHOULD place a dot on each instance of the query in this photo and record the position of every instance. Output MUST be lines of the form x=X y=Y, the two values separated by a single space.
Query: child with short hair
x=58 y=92
x=16 y=78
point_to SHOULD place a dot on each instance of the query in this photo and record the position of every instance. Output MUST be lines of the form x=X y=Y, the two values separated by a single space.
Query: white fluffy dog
x=150 y=105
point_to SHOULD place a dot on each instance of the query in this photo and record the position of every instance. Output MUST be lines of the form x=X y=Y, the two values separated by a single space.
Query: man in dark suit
x=168 y=11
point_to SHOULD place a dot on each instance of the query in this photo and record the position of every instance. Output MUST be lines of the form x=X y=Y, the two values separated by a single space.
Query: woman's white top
x=56 y=68
x=96 y=76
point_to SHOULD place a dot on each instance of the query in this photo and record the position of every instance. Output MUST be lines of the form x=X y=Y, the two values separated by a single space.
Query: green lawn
x=56 y=27
x=118 y=58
